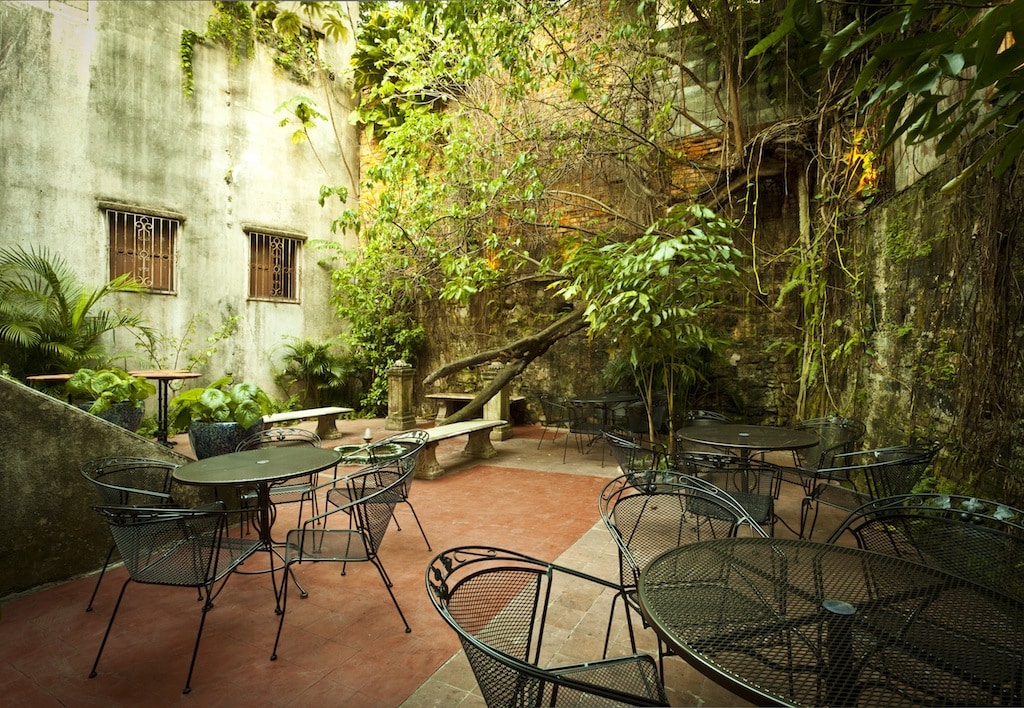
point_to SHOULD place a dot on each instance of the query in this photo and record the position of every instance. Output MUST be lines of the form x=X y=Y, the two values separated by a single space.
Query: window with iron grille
x=142 y=246
x=273 y=267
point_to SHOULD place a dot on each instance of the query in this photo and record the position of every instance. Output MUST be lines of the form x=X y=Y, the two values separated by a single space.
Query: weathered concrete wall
x=92 y=110
x=48 y=530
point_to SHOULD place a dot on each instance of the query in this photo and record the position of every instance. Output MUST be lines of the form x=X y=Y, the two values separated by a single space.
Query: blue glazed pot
x=127 y=414
x=210 y=439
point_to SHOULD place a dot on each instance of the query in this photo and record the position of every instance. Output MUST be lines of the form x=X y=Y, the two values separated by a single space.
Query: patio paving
x=344 y=644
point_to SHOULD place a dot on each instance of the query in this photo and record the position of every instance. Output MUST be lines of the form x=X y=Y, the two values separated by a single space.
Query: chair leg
x=387 y=585
x=103 y=642
x=99 y=579
x=283 y=608
x=543 y=430
x=417 y=518
x=207 y=606
x=629 y=625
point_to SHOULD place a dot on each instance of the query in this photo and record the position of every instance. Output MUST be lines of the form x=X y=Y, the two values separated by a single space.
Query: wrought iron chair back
x=498 y=602
x=858 y=477
x=398 y=453
x=556 y=417
x=754 y=483
x=978 y=539
x=175 y=547
x=369 y=503
x=837 y=435
x=633 y=454
x=291 y=491
x=650 y=514
x=130 y=481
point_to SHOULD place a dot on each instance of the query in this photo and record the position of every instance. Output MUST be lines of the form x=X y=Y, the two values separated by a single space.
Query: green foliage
x=316 y=373
x=221 y=402
x=49 y=322
x=651 y=296
x=238 y=26
x=107 y=387
x=167 y=352
x=373 y=293
x=932 y=71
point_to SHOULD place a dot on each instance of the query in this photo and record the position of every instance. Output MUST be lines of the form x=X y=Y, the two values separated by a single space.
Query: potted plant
x=112 y=394
x=219 y=416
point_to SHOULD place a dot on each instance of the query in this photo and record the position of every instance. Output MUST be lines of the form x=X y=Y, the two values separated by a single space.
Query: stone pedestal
x=498 y=407
x=400 y=409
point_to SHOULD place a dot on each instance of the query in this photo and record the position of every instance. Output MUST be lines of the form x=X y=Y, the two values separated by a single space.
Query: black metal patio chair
x=175 y=547
x=500 y=604
x=978 y=539
x=632 y=453
x=836 y=434
x=753 y=483
x=856 y=478
x=556 y=417
x=398 y=452
x=292 y=491
x=649 y=515
x=370 y=508
x=586 y=425
x=128 y=481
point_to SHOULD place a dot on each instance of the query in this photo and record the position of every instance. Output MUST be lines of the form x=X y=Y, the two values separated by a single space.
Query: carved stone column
x=400 y=412
x=498 y=407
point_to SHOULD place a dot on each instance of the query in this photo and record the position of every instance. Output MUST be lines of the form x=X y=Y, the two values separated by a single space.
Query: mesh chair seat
x=499 y=602
x=175 y=547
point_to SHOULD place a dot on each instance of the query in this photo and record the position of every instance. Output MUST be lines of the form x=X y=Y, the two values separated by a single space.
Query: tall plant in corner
x=652 y=296
x=49 y=321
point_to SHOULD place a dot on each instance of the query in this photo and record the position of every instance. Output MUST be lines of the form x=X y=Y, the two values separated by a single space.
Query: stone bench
x=478 y=445
x=452 y=403
x=325 y=419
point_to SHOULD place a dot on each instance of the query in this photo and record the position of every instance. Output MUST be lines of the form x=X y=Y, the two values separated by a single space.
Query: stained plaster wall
x=93 y=112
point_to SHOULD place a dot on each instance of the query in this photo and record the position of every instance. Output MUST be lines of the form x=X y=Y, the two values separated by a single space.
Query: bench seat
x=451 y=403
x=478 y=445
x=325 y=418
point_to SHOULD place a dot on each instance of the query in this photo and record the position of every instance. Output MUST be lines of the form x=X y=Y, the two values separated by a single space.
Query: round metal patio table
x=791 y=622
x=260 y=468
x=747 y=439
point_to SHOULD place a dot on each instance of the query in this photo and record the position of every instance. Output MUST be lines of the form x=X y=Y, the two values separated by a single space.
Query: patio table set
x=914 y=599
x=163 y=543
x=910 y=601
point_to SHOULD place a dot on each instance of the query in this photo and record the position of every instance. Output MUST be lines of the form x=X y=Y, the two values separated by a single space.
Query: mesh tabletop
x=267 y=464
x=748 y=437
x=800 y=623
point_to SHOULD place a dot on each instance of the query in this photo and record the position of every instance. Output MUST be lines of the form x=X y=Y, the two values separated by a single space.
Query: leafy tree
x=935 y=71
x=51 y=323
x=650 y=296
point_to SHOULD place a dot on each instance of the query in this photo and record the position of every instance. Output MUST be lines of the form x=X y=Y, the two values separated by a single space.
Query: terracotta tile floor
x=344 y=644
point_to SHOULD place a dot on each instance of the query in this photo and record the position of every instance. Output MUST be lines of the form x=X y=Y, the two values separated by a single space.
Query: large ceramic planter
x=127 y=414
x=210 y=439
